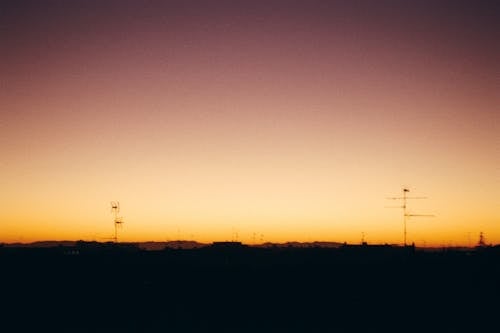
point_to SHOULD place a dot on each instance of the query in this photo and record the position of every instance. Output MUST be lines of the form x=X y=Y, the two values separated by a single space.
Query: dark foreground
x=237 y=289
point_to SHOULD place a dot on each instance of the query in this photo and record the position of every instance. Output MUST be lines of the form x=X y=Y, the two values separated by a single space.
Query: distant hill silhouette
x=177 y=244
x=191 y=244
x=174 y=244
x=180 y=244
x=312 y=244
x=42 y=244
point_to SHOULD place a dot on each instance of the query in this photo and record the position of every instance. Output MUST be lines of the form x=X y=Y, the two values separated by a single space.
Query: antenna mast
x=481 y=242
x=406 y=215
x=115 y=209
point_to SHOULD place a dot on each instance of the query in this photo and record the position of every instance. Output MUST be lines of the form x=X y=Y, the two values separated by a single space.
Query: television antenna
x=407 y=215
x=481 y=242
x=118 y=221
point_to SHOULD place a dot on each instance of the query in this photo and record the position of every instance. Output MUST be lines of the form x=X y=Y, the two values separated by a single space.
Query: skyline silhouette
x=228 y=287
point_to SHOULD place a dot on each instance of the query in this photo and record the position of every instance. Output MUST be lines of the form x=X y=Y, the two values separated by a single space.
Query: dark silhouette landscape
x=232 y=287
x=263 y=121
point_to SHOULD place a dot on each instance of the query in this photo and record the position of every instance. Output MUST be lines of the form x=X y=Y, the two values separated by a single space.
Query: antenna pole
x=115 y=208
x=404 y=214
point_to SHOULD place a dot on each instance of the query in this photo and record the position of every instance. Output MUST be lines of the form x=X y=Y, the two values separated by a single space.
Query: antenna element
x=118 y=221
x=406 y=215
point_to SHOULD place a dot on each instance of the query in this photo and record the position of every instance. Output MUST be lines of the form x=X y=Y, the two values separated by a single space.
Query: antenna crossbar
x=407 y=215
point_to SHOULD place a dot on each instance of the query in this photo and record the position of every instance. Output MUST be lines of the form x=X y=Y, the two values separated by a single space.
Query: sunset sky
x=290 y=120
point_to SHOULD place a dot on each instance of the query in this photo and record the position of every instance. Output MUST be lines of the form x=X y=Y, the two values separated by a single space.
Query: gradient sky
x=293 y=120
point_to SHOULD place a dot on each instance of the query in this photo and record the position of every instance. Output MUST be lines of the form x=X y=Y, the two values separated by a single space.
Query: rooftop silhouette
x=229 y=286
